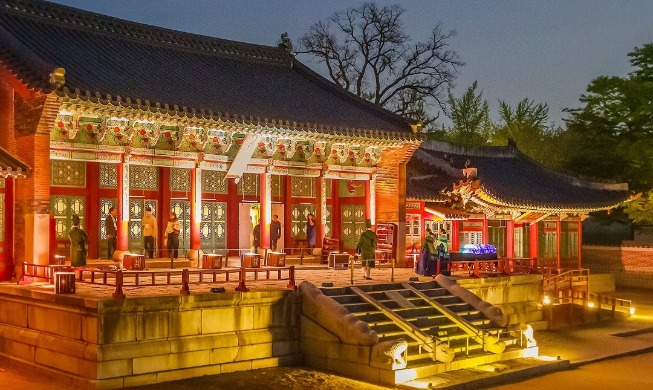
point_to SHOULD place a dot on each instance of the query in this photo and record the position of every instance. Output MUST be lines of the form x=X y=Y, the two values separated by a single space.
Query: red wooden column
x=510 y=238
x=93 y=209
x=232 y=215
x=486 y=232
x=455 y=235
x=335 y=209
x=195 y=205
x=320 y=210
x=580 y=241
x=287 y=217
x=534 y=240
x=122 y=205
x=265 y=200
x=558 y=241
x=164 y=209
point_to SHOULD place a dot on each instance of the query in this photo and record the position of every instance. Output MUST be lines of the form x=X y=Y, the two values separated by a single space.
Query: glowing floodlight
x=590 y=304
x=632 y=311
x=546 y=300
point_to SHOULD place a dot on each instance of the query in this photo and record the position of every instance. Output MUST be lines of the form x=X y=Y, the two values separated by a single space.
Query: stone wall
x=137 y=341
x=632 y=266
x=518 y=296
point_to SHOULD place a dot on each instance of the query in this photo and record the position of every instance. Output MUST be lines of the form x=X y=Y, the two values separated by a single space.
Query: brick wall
x=631 y=266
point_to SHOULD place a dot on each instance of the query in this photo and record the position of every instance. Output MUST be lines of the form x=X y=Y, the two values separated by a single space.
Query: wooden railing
x=184 y=278
x=588 y=301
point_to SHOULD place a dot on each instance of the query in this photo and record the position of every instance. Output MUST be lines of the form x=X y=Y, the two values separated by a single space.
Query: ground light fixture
x=216 y=290
x=590 y=304
x=546 y=300
x=631 y=311
x=327 y=284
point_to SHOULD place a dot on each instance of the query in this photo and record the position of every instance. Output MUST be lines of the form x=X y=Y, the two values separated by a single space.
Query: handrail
x=411 y=330
x=479 y=335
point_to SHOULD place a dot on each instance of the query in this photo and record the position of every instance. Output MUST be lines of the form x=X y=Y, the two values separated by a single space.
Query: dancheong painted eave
x=505 y=180
x=87 y=56
x=12 y=166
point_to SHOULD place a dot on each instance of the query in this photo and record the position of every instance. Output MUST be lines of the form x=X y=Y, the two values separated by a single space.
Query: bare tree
x=366 y=51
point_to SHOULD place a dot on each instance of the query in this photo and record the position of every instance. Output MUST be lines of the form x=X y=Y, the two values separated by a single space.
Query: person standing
x=366 y=247
x=149 y=232
x=111 y=228
x=172 y=234
x=427 y=264
x=311 y=232
x=275 y=232
x=257 y=236
x=442 y=247
x=78 y=240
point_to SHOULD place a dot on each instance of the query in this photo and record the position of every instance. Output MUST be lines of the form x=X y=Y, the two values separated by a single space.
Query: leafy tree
x=612 y=135
x=470 y=115
x=366 y=50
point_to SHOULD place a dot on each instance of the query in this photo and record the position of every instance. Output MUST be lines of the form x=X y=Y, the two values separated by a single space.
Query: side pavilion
x=498 y=196
x=108 y=112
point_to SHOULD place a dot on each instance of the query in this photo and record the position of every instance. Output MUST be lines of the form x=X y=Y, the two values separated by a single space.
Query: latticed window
x=277 y=185
x=298 y=218
x=329 y=187
x=248 y=185
x=143 y=177
x=302 y=186
x=213 y=226
x=108 y=175
x=352 y=224
x=179 y=179
x=328 y=217
x=66 y=173
x=471 y=238
x=413 y=231
x=63 y=208
x=214 y=182
x=2 y=182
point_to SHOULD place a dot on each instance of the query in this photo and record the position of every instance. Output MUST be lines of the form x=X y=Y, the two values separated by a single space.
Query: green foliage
x=612 y=135
x=640 y=211
x=470 y=115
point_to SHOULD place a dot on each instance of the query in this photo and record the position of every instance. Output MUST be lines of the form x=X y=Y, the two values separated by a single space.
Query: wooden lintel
x=544 y=216
x=522 y=216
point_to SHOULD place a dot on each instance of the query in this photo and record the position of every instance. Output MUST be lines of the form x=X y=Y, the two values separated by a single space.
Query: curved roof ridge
x=141 y=32
x=468 y=150
x=513 y=152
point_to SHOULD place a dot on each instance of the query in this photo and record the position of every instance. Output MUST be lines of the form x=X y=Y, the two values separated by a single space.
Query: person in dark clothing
x=275 y=232
x=257 y=236
x=78 y=241
x=111 y=229
x=172 y=236
x=311 y=231
x=367 y=247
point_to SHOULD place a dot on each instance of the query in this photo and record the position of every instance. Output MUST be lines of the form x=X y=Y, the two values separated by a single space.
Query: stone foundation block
x=310 y=330
x=63 y=323
x=185 y=323
x=62 y=345
x=57 y=360
x=140 y=380
x=349 y=353
x=90 y=329
x=254 y=351
x=224 y=355
x=114 y=368
x=196 y=343
x=317 y=348
x=133 y=350
x=13 y=313
x=283 y=348
x=176 y=375
x=153 y=325
x=354 y=370
x=117 y=329
x=17 y=350
x=237 y=366
x=227 y=319
x=143 y=365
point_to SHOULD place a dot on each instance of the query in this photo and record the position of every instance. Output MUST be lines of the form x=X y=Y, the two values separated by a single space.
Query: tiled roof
x=11 y=166
x=510 y=179
x=427 y=182
x=130 y=64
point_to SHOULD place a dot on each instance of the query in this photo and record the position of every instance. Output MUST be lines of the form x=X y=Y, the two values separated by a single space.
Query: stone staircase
x=425 y=314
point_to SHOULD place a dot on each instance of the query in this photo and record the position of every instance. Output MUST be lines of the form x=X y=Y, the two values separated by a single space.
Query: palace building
x=498 y=196
x=99 y=112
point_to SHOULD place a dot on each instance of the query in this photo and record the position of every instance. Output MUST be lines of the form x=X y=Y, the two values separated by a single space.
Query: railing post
x=598 y=307
x=614 y=306
x=118 y=294
x=241 y=284
x=291 y=278
x=185 y=289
